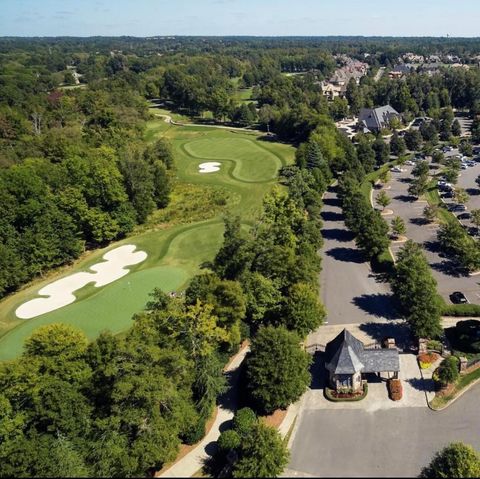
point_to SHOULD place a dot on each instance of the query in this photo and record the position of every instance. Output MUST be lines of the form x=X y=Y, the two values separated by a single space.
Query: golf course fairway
x=248 y=167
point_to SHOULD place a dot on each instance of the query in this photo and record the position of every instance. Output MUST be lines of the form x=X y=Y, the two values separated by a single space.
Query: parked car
x=396 y=169
x=464 y=216
x=459 y=207
x=409 y=163
x=447 y=148
x=458 y=298
x=448 y=194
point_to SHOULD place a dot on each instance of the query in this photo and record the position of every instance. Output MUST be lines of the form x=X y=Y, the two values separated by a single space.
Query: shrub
x=229 y=440
x=448 y=372
x=435 y=345
x=395 y=389
x=244 y=420
x=465 y=336
x=196 y=431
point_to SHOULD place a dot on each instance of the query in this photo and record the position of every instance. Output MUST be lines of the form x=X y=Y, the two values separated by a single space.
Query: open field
x=175 y=249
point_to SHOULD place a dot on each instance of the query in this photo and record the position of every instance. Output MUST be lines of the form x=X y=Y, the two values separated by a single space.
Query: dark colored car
x=458 y=298
x=464 y=216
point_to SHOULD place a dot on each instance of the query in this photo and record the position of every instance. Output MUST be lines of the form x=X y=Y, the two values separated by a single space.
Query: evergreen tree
x=397 y=145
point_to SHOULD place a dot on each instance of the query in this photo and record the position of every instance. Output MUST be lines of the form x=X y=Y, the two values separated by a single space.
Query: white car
x=396 y=169
x=409 y=163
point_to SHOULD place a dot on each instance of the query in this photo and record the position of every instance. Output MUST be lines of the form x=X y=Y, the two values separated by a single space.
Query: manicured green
x=249 y=166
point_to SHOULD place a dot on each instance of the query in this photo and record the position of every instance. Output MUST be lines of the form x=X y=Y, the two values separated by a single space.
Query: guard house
x=347 y=361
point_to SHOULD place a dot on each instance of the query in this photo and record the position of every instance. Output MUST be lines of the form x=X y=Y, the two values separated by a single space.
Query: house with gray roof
x=347 y=360
x=375 y=119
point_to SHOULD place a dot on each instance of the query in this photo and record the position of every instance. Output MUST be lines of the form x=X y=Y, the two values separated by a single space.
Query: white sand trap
x=60 y=292
x=209 y=167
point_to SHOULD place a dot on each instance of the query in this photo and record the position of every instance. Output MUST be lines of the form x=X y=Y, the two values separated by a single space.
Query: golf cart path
x=168 y=119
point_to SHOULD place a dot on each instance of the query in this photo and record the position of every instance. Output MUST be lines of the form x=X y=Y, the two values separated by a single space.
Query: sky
x=240 y=17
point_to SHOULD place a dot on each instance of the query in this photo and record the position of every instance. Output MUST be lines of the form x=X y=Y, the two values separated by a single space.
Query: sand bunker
x=60 y=293
x=209 y=167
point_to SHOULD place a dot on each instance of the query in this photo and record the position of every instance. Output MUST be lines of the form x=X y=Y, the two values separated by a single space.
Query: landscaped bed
x=335 y=396
x=446 y=395
x=427 y=359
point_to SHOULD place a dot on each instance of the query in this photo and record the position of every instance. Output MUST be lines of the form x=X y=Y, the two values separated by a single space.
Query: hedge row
x=461 y=310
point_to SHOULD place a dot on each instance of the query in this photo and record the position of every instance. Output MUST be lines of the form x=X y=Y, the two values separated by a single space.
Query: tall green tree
x=263 y=454
x=455 y=460
x=416 y=291
x=276 y=368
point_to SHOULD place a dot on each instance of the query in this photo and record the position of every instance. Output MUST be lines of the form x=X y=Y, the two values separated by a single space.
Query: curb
x=289 y=419
x=459 y=395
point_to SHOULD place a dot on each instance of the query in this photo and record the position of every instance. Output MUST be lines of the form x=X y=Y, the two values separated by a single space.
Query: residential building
x=375 y=119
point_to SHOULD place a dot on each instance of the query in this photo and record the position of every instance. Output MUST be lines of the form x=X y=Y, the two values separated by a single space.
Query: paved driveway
x=426 y=234
x=349 y=290
x=382 y=443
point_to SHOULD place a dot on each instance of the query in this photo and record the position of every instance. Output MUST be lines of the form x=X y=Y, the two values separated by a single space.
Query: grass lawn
x=177 y=239
x=433 y=199
x=384 y=260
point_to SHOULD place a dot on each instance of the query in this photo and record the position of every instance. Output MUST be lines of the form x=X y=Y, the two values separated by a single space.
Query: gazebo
x=347 y=361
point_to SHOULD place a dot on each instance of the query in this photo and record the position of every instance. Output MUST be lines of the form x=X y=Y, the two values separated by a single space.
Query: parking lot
x=411 y=211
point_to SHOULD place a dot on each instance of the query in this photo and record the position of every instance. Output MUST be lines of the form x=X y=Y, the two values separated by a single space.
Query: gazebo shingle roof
x=347 y=355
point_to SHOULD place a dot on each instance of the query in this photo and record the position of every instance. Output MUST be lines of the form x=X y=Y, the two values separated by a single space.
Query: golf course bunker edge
x=60 y=292
x=209 y=167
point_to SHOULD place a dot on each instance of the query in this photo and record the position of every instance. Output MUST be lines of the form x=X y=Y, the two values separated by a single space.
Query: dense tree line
x=74 y=174
x=115 y=407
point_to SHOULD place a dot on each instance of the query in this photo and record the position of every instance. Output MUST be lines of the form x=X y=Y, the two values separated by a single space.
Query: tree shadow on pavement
x=380 y=277
x=332 y=202
x=331 y=216
x=400 y=331
x=419 y=221
x=405 y=198
x=318 y=371
x=381 y=305
x=426 y=385
x=449 y=268
x=348 y=255
x=338 y=235
x=405 y=180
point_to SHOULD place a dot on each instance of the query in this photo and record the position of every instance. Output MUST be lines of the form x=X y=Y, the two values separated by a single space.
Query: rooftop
x=347 y=355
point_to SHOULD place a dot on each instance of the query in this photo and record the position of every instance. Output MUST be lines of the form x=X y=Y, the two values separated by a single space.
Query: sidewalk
x=188 y=465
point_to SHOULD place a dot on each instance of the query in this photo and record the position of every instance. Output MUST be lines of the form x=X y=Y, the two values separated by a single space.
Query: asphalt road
x=411 y=211
x=349 y=290
x=386 y=443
